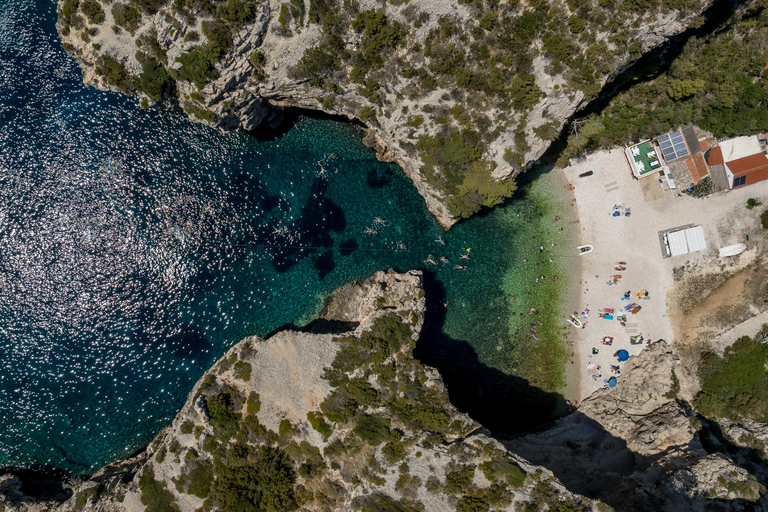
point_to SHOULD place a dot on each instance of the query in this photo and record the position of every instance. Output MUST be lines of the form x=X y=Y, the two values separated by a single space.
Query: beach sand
x=635 y=241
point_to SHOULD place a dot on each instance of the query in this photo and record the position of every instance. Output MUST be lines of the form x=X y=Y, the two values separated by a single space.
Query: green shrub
x=197 y=481
x=90 y=494
x=150 y=6
x=317 y=63
x=221 y=414
x=752 y=202
x=459 y=481
x=250 y=478
x=115 y=72
x=253 y=405
x=764 y=219
x=318 y=423
x=488 y=21
x=199 y=112
x=378 y=502
x=501 y=469
x=154 y=495
x=197 y=65
x=238 y=11
x=243 y=370
x=93 y=11
x=187 y=427
x=734 y=385
x=473 y=504
x=153 y=79
x=374 y=430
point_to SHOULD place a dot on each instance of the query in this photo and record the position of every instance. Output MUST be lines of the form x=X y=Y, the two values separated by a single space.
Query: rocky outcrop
x=431 y=72
x=637 y=447
x=271 y=422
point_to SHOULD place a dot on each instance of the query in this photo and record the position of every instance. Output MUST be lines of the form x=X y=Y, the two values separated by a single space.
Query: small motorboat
x=584 y=249
x=575 y=322
x=732 y=250
x=585 y=174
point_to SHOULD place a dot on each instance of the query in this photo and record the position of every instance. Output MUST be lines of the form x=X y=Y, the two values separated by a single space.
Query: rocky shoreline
x=632 y=447
x=408 y=122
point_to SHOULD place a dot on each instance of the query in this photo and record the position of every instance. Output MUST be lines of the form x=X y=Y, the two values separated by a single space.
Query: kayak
x=584 y=249
x=575 y=322
x=585 y=174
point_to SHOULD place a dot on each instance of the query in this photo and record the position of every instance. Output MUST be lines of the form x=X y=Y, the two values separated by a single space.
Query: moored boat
x=732 y=250
x=584 y=249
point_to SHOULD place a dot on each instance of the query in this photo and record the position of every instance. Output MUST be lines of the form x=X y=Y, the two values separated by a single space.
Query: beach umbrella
x=622 y=355
x=612 y=382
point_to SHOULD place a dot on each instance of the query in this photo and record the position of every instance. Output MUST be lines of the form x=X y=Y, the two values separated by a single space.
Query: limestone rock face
x=636 y=448
x=399 y=111
x=273 y=389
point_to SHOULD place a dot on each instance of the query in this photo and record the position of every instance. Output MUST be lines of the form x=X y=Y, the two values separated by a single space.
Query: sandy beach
x=632 y=244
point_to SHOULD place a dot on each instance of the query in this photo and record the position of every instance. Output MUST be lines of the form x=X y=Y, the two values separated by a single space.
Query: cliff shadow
x=504 y=404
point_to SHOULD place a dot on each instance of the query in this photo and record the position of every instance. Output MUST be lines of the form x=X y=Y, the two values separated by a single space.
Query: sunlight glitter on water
x=136 y=247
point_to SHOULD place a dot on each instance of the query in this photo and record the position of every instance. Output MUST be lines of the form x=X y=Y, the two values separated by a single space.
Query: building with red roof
x=744 y=160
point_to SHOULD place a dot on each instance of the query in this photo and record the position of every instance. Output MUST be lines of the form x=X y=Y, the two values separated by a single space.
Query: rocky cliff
x=639 y=447
x=342 y=417
x=338 y=418
x=461 y=94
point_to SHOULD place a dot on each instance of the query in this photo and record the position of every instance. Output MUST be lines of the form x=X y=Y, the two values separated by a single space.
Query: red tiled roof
x=703 y=144
x=716 y=156
x=696 y=167
x=754 y=167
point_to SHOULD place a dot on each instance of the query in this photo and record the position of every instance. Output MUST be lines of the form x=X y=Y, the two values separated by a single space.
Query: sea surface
x=136 y=246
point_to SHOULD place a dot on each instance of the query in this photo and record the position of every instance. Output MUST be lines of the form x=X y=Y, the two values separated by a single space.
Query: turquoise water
x=137 y=246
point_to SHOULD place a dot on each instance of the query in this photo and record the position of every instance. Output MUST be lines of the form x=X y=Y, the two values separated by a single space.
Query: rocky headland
x=342 y=417
x=463 y=95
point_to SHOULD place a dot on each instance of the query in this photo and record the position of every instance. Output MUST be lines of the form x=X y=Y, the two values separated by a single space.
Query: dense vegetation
x=716 y=82
x=735 y=385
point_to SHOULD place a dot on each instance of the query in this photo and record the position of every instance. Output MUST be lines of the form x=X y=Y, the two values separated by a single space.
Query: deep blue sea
x=137 y=246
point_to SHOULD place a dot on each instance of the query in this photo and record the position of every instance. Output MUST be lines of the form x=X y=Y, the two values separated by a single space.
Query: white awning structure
x=694 y=237
x=686 y=241
x=677 y=243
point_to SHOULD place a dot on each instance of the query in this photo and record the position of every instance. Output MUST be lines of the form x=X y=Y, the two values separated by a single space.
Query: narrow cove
x=138 y=246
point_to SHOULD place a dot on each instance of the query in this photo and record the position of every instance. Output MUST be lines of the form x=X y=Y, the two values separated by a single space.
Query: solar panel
x=672 y=146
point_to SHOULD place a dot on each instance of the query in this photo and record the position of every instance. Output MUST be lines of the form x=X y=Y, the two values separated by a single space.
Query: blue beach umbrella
x=622 y=355
x=612 y=382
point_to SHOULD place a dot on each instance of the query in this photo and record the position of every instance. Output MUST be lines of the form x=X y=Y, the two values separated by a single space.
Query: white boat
x=732 y=250
x=584 y=249
x=575 y=322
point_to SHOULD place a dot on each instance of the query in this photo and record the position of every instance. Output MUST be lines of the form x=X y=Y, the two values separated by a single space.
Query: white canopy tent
x=686 y=241
x=677 y=244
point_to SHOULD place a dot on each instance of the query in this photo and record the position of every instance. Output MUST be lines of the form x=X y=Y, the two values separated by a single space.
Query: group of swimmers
x=445 y=261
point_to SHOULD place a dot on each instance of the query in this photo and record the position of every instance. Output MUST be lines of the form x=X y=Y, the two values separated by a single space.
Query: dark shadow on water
x=284 y=119
x=323 y=326
x=504 y=404
x=41 y=482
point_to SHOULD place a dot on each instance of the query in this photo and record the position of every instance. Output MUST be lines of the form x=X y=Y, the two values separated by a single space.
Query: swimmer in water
x=440 y=241
x=444 y=259
x=459 y=267
x=379 y=221
x=370 y=231
x=465 y=256
x=430 y=260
